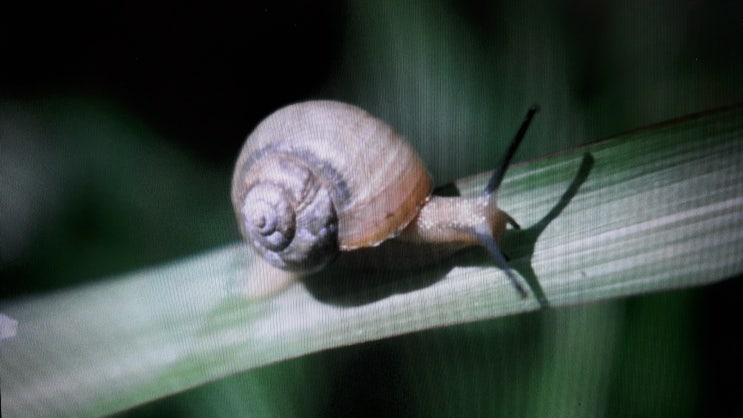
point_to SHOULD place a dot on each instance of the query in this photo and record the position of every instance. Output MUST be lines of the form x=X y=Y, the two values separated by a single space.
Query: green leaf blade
x=648 y=211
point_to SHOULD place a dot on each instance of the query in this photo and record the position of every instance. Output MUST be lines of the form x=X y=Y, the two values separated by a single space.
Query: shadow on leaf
x=343 y=284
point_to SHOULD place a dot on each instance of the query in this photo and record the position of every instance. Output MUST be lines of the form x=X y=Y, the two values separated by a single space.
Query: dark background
x=202 y=76
x=120 y=126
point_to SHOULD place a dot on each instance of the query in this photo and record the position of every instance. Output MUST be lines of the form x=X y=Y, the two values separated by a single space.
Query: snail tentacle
x=500 y=169
x=492 y=246
x=490 y=234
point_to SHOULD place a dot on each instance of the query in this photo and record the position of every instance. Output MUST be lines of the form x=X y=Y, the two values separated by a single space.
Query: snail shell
x=320 y=177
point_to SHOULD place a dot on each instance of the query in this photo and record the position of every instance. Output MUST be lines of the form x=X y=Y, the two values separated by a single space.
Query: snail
x=320 y=178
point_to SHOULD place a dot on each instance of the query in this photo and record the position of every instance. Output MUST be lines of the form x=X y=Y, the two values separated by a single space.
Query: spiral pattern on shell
x=269 y=217
x=290 y=218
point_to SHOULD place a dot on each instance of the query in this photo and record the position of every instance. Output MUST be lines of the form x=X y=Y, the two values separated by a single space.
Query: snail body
x=321 y=178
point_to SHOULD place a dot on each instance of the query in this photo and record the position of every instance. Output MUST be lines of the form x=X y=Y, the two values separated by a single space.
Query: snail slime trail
x=315 y=180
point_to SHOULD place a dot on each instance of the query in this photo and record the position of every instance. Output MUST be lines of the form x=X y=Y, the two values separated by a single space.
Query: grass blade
x=655 y=209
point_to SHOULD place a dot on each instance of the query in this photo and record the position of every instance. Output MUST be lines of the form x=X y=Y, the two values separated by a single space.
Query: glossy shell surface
x=328 y=157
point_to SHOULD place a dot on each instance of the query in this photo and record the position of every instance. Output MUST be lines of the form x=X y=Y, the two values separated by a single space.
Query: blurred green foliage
x=454 y=77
